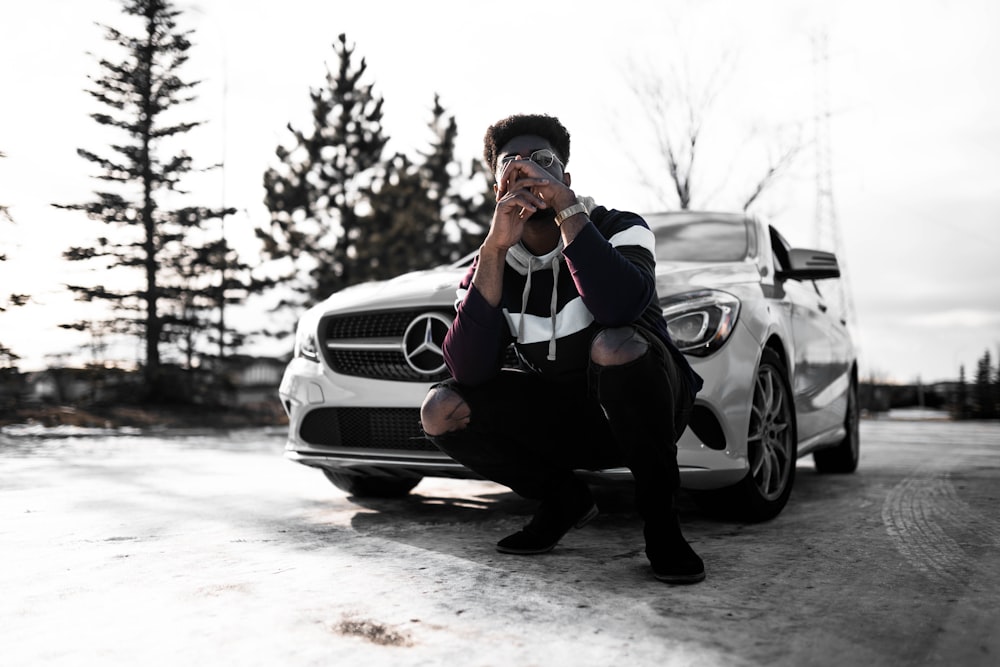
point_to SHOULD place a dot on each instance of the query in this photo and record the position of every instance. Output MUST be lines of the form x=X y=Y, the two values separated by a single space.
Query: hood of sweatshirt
x=526 y=263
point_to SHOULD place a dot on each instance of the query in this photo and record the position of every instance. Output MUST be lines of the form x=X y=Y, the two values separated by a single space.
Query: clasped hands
x=523 y=188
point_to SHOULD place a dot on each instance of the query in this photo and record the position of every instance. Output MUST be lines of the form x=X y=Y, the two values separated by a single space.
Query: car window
x=779 y=248
x=701 y=240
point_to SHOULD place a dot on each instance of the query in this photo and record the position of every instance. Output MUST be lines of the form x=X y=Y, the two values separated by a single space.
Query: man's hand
x=519 y=172
x=523 y=188
x=516 y=202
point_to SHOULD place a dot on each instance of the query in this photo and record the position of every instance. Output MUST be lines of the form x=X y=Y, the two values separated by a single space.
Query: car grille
x=355 y=335
x=365 y=428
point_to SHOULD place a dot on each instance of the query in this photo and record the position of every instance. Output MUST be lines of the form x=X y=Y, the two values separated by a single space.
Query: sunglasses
x=543 y=157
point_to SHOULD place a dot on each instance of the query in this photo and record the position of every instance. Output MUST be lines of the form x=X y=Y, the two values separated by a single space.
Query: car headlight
x=701 y=322
x=305 y=343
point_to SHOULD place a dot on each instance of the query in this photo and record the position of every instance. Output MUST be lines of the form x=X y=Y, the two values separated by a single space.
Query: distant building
x=78 y=385
x=251 y=380
x=241 y=381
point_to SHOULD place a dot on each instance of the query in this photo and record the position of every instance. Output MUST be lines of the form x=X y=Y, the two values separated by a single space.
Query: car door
x=818 y=344
x=817 y=371
x=836 y=372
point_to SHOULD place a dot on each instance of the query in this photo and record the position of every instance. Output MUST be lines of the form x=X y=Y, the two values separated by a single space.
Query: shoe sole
x=680 y=579
x=581 y=522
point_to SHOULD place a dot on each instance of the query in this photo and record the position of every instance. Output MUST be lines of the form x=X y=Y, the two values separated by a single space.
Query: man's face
x=530 y=147
x=539 y=151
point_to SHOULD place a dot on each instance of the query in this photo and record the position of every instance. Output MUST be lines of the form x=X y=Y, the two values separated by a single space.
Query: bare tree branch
x=678 y=105
x=776 y=167
x=675 y=109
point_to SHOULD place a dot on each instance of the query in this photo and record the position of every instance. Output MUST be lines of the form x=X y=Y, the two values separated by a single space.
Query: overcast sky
x=912 y=88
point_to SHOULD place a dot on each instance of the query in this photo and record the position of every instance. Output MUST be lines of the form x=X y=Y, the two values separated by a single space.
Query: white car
x=780 y=369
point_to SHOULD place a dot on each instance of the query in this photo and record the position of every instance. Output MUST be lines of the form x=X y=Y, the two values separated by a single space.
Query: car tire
x=371 y=486
x=772 y=446
x=843 y=458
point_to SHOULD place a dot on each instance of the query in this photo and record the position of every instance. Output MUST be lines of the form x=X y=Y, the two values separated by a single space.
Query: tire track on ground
x=922 y=513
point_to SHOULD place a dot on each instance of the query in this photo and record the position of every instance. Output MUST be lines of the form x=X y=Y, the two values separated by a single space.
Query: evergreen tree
x=465 y=200
x=985 y=407
x=420 y=214
x=342 y=214
x=961 y=409
x=996 y=390
x=148 y=238
x=8 y=360
x=478 y=207
x=319 y=195
x=396 y=233
x=213 y=279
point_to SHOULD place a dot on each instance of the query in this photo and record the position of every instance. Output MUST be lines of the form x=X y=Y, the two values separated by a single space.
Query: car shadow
x=469 y=526
x=606 y=553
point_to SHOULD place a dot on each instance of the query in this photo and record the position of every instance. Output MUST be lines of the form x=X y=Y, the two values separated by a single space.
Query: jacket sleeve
x=475 y=343
x=615 y=278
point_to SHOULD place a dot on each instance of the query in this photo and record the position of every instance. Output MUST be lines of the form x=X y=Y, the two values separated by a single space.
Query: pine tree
x=464 y=199
x=420 y=215
x=403 y=217
x=8 y=359
x=342 y=214
x=985 y=408
x=319 y=193
x=213 y=278
x=147 y=238
x=996 y=390
x=961 y=409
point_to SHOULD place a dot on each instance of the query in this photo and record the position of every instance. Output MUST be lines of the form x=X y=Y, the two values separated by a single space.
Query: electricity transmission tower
x=827 y=230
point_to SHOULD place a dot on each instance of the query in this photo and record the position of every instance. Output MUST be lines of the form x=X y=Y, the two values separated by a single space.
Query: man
x=600 y=385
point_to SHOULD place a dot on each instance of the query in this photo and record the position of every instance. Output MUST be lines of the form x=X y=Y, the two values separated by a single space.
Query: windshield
x=686 y=238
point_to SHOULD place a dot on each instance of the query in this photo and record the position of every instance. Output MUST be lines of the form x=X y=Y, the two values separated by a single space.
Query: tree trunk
x=153 y=323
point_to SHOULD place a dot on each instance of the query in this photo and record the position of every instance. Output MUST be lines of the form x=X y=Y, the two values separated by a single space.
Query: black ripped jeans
x=529 y=433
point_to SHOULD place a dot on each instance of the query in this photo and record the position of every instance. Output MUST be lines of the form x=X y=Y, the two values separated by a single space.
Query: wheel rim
x=770 y=443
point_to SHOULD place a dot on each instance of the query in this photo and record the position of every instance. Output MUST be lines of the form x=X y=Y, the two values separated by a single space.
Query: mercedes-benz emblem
x=422 y=343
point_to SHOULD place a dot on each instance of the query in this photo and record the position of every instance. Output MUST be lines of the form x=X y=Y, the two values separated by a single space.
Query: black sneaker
x=553 y=519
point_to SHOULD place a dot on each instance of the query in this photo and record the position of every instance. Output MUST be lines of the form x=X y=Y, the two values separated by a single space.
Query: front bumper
x=371 y=427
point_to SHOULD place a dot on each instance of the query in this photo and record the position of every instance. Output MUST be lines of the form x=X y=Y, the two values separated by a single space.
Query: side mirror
x=810 y=265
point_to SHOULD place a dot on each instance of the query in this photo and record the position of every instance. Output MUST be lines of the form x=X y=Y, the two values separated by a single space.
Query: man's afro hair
x=541 y=125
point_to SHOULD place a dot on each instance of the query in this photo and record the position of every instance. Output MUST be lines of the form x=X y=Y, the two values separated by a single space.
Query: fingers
x=518 y=174
x=530 y=185
x=507 y=226
x=522 y=202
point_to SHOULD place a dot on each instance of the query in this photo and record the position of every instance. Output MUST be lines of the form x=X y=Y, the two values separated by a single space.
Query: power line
x=826 y=227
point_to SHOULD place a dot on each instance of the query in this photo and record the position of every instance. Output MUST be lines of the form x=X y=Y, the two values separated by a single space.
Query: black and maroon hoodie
x=553 y=305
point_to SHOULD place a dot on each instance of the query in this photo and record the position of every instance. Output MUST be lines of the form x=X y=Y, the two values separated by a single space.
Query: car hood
x=418 y=288
x=674 y=278
x=436 y=287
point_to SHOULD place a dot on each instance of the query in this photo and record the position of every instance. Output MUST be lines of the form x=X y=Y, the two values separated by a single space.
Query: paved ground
x=214 y=550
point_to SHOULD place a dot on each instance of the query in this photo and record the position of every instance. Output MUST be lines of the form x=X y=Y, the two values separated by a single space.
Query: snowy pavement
x=212 y=549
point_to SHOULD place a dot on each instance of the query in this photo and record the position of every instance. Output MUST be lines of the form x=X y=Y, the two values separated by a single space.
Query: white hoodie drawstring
x=528 y=263
x=524 y=263
x=524 y=299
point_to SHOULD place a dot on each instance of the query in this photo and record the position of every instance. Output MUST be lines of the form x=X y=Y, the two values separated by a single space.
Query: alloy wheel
x=770 y=442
